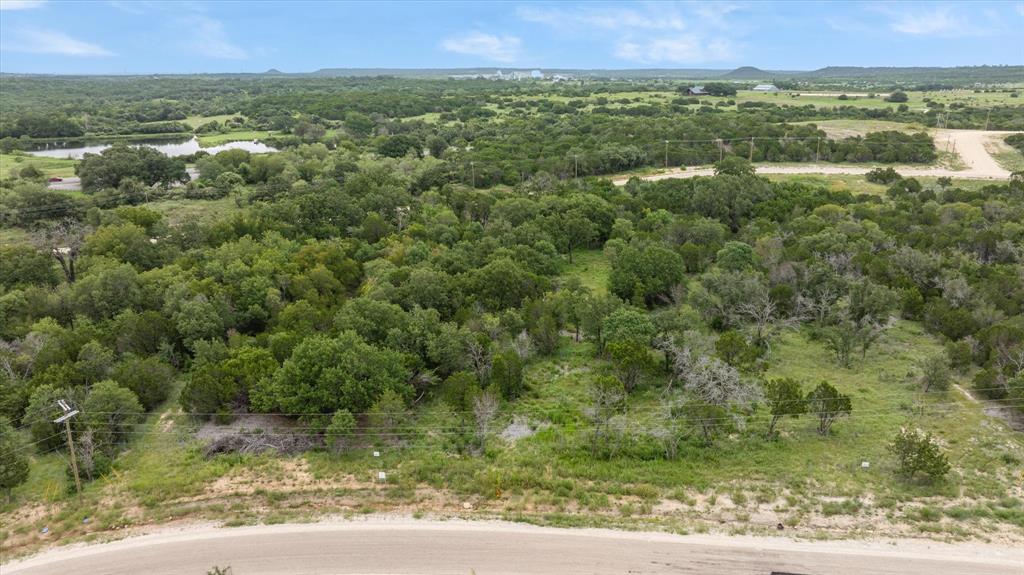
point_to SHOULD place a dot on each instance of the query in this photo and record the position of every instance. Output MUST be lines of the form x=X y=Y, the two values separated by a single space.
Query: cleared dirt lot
x=969 y=145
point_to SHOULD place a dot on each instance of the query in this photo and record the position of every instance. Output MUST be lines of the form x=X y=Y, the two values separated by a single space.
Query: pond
x=76 y=150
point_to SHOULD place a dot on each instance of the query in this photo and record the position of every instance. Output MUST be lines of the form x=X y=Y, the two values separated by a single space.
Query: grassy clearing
x=196 y=121
x=50 y=167
x=207 y=140
x=837 y=183
x=592 y=269
x=178 y=211
x=1008 y=157
x=848 y=128
x=915 y=99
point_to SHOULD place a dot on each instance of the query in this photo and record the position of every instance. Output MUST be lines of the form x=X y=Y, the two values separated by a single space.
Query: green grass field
x=207 y=140
x=592 y=268
x=1005 y=155
x=196 y=121
x=50 y=167
x=847 y=128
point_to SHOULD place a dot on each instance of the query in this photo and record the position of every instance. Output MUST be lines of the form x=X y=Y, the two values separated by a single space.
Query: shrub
x=148 y=378
x=918 y=454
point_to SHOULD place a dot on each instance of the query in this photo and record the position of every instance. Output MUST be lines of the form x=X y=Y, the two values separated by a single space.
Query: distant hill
x=748 y=73
x=642 y=73
x=921 y=74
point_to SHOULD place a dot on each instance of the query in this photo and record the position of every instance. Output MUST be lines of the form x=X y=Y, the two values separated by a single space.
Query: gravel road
x=375 y=546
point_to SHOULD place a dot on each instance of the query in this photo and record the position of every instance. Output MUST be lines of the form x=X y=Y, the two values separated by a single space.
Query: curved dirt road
x=968 y=144
x=459 y=547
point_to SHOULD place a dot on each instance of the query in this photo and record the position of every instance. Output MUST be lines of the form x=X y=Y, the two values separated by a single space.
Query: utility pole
x=472 y=168
x=66 y=420
x=576 y=168
x=817 y=152
x=987 y=116
x=720 y=152
x=666 y=154
x=751 y=149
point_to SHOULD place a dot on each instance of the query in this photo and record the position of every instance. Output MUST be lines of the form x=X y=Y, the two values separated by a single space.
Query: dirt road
x=968 y=144
x=460 y=547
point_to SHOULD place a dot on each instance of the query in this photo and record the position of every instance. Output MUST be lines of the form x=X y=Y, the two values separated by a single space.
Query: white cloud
x=649 y=33
x=497 y=48
x=664 y=18
x=678 y=50
x=209 y=39
x=939 y=21
x=38 y=41
x=20 y=4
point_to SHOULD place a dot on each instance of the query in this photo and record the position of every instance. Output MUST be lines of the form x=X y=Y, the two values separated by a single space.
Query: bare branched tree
x=63 y=241
x=817 y=306
x=523 y=345
x=480 y=358
x=765 y=319
x=485 y=410
x=607 y=396
x=18 y=357
x=714 y=382
x=672 y=427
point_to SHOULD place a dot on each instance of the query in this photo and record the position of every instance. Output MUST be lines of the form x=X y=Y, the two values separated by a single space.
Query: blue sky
x=224 y=36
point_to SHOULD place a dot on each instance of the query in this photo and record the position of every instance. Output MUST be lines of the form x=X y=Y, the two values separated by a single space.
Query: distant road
x=968 y=144
x=487 y=548
x=74 y=183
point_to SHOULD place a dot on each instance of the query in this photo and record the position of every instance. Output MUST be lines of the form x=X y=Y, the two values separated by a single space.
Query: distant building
x=766 y=88
x=696 y=91
x=537 y=75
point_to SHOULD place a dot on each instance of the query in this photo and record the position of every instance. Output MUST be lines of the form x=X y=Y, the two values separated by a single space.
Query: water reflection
x=183 y=148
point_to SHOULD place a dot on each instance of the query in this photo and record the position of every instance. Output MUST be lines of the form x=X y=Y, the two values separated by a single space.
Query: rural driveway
x=484 y=548
x=968 y=144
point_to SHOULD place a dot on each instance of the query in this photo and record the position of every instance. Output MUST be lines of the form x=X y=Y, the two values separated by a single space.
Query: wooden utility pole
x=666 y=154
x=751 y=149
x=576 y=168
x=817 y=152
x=987 y=116
x=66 y=420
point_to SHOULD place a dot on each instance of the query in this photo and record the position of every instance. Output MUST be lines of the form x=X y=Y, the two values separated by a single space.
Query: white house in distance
x=765 y=88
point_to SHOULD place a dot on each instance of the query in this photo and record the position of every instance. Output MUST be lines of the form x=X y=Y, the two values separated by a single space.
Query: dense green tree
x=785 y=399
x=630 y=359
x=150 y=379
x=110 y=411
x=828 y=405
x=120 y=161
x=645 y=276
x=14 y=465
x=326 y=374
x=507 y=374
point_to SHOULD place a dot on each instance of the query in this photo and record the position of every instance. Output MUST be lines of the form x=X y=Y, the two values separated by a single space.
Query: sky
x=135 y=37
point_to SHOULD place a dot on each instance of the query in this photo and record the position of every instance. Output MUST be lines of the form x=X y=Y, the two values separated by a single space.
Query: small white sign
x=376 y=454
x=382 y=476
x=864 y=464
